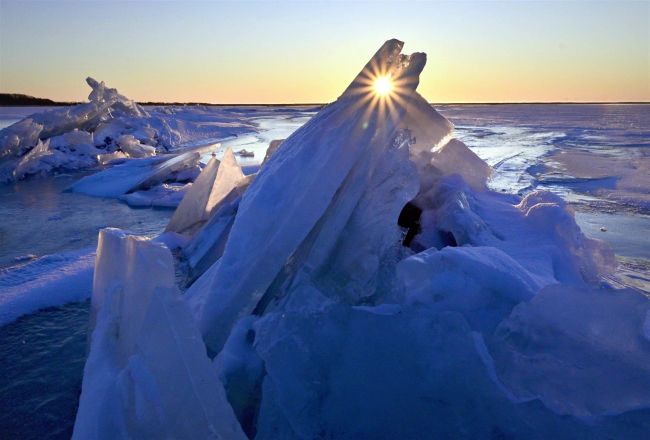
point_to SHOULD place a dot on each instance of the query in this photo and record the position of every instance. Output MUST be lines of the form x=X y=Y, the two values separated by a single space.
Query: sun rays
x=383 y=85
x=384 y=89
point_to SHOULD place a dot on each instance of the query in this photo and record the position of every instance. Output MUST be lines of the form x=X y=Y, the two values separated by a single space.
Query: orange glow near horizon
x=173 y=52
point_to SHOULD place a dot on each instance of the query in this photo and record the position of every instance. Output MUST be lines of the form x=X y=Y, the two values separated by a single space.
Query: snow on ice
x=365 y=283
x=49 y=281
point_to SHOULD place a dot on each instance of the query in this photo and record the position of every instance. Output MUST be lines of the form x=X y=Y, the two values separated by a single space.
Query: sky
x=307 y=52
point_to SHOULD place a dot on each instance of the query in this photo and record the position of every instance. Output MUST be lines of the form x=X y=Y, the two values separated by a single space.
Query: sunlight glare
x=383 y=86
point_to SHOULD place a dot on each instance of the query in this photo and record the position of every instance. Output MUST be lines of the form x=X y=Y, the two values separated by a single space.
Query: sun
x=383 y=85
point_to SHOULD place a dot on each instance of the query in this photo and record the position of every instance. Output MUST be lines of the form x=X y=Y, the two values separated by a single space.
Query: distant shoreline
x=20 y=100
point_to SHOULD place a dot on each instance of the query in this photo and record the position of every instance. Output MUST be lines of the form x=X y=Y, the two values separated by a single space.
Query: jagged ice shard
x=311 y=187
x=147 y=374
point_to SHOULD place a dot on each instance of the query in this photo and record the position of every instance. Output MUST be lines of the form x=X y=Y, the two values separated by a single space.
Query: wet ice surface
x=596 y=157
x=40 y=218
x=43 y=357
x=44 y=353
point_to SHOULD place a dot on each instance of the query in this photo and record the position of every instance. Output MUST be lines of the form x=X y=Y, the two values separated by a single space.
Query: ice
x=107 y=158
x=207 y=244
x=455 y=158
x=407 y=373
x=646 y=326
x=75 y=138
x=603 y=173
x=70 y=131
x=193 y=208
x=31 y=162
x=139 y=174
x=582 y=351
x=104 y=104
x=18 y=138
x=428 y=127
x=147 y=374
x=161 y=196
x=229 y=177
x=132 y=147
x=241 y=370
x=119 y=179
x=48 y=281
x=482 y=283
x=539 y=232
x=365 y=283
x=43 y=158
x=207 y=212
x=117 y=125
x=314 y=180
x=213 y=186
x=346 y=257
x=273 y=146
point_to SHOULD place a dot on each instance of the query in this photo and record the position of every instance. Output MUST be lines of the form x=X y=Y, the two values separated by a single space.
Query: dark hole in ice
x=448 y=238
x=409 y=218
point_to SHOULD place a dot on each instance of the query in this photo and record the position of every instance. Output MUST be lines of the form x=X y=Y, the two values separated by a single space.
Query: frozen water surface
x=39 y=217
x=43 y=353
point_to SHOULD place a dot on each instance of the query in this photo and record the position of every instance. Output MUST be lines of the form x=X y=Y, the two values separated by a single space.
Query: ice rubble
x=328 y=321
x=71 y=132
x=108 y=128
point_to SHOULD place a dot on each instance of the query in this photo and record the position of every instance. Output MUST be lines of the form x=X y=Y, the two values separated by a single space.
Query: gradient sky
x=265 y=52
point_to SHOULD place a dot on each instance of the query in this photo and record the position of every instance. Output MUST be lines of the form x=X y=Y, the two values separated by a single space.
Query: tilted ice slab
x=429 y=128
x=49 y=281
x=119 y=179
x=209 y=214
x=137 y=174
x=308 y=191
x=147 y=374
x=454 y=157
x=192 y=208
x=211 y=188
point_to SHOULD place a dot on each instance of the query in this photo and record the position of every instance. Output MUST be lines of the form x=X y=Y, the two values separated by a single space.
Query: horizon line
x=296 y=104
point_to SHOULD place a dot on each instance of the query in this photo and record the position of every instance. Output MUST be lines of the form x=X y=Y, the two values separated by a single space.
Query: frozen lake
x=529 y=146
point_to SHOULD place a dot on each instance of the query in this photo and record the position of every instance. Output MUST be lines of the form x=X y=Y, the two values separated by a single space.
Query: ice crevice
x=366 y=283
